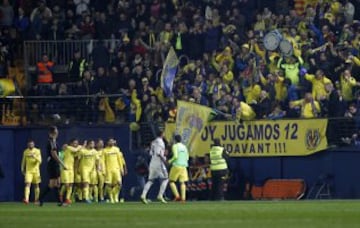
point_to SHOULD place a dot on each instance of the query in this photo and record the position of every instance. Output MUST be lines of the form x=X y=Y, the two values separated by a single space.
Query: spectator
x=347 y=84
x=42 y=11
x=7 y=14
x=336 y=108
x=319 y=80
x=243 y=111
x=310 y=108
x=277 y=112
x=103 y=27
x=45 y=69
x=22 y=23
x=100 y=56
x=88 y=106
x=77 y=66
x=263 y=105
x=291 y=68
x=81 y=6
x=87 y=28
x=4 y=60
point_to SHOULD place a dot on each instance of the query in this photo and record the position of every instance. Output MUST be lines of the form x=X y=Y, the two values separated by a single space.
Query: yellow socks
x=62 y=190
x=96 y=193
x=37 y=193
x=68 y=192
x=115 y=193
x=86 y=193
x=26 y=193
x=183 y=191
x=79 y=193
x=101 y=192
x=109 y=191
x=174 y=189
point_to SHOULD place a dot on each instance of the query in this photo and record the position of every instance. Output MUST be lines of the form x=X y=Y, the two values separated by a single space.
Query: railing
x=61 y=52
x=45 y=108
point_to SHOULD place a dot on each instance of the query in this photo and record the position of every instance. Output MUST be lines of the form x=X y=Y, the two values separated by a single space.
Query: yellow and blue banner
x=191 y=119
x=7 y=87
x=262 y=138
x=169 y=72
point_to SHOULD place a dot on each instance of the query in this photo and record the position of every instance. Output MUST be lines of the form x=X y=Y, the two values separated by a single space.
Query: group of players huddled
x=88 y=172
x=92 y=171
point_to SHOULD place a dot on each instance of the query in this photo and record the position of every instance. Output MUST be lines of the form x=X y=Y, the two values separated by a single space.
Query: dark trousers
x=218 y=181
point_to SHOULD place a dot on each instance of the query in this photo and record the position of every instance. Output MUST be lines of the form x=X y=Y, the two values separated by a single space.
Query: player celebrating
x=157 y=168
x=101 y=170
x=53 y=166
x=178 y=171
x=77 y=191
x=88 y=157
x=30 y=167
x=67 y=176
x=114 y=169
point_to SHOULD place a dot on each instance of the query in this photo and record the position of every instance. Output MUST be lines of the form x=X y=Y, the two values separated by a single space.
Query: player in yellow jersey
x=114 y=169
x=30 y=167
x=87 y=166
x=67 y=176
x=77 y=191
x=101 y=170
x=94 y=191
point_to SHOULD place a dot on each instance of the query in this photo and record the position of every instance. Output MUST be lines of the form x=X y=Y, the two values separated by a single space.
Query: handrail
x=65 y=96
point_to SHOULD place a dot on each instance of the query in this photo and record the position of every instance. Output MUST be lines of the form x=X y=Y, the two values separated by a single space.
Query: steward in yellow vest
x=219 y=169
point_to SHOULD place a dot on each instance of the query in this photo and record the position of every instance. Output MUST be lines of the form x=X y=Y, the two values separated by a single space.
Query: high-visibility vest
x=82 y=67
x=217 y=162
x=45 y=76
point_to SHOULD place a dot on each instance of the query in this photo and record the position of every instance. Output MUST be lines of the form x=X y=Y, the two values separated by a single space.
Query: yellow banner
x=263 y=138
x=191 y=120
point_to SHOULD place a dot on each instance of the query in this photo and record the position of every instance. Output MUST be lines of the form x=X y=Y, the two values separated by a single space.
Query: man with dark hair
x=77 y=66
x=157 y=168
x=178 y=171
x=30 y=167
x=219 y=169
x=53 y=165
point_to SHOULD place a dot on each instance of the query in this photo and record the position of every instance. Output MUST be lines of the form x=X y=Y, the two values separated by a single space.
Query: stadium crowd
x=223 y=62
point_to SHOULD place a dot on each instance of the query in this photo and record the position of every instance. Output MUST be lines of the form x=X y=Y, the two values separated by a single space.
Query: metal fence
x=61 y=51
x=115 y=109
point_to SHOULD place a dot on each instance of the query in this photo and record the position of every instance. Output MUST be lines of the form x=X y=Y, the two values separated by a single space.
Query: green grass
x=240 y=214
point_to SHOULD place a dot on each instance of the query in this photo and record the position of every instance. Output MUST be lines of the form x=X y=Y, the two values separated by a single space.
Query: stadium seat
x=280 y=189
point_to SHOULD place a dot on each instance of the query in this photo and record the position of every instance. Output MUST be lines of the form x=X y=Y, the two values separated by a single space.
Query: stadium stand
x=116 y=52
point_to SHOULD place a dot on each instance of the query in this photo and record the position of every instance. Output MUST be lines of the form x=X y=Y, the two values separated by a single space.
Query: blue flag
x=169 y=71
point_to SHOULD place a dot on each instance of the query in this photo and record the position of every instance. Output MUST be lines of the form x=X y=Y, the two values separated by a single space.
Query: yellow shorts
x=67 y=176
x=77 y=178
x=101 y=178
x=94 y=177
x=178 y=173
x=113 y=177
x=33 y=178
x=85 y=175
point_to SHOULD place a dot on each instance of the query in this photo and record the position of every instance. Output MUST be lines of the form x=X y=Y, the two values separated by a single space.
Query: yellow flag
x=7 y=87
x=191 y=119
x=109 y=113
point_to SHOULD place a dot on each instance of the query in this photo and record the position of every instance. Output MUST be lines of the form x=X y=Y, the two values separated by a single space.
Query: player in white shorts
x=157 y=169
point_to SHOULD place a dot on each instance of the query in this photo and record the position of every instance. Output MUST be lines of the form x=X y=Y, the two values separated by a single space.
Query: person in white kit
x=157 y=169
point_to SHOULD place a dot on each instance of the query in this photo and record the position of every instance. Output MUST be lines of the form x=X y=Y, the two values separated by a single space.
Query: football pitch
x=270 y=214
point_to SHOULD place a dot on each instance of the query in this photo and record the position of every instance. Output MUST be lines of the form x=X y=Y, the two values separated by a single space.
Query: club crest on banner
x=313 y=138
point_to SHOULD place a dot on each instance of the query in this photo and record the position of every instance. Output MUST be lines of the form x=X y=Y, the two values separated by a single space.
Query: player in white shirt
x=157 y=169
